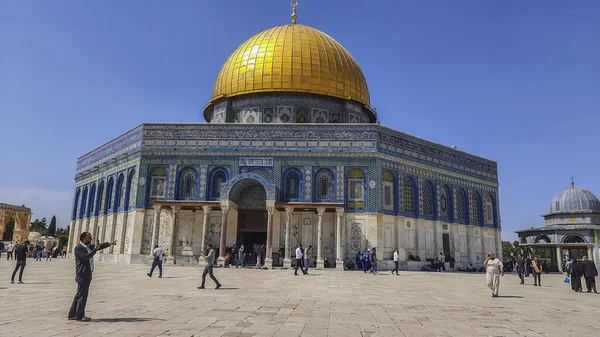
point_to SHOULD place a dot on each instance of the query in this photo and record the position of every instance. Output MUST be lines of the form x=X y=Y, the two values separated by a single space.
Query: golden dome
x=291 y=58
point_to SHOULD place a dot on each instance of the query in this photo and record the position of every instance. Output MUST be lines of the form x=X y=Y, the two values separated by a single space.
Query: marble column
x=206 y=210
x=223 y=240
x=287 y=261
x=320 y=262
x=155 y=227
x=590 y=253
x=175 y=226
x=559 y=259
x=269 y=253
x=339 y=260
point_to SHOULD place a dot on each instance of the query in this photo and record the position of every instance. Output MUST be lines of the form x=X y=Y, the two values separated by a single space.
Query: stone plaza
x=125 y=302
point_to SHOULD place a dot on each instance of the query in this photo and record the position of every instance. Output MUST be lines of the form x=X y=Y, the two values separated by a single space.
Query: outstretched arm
x=83 y=254
x=107 y=244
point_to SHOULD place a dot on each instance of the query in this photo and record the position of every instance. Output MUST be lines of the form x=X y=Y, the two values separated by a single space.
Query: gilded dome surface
x=292 y=58
x=574 y=199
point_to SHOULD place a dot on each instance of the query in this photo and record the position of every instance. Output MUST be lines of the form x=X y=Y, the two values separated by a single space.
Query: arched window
x=489 y=210
x=187 y=183
x=461 y=206
x=356 y=188
x=91 y=201
x=109 y=195
x=99 y=198
x=445 y=203
x=127 y=201
x=75 y=204
x=409 y=202
x=118 y=193
x=323 y=185
x=388 y=191
x=83 y=202
x=292 y=185
x=428 y=205
x=573 y=238
x=542 y=239
x=474 y=206
x=158 y=183
x=218 y=178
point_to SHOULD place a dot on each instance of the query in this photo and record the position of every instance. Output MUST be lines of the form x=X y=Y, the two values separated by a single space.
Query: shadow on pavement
x=511 y=297
x=125 y=319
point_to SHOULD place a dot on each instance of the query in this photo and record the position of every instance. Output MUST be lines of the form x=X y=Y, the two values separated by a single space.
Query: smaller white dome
x=574 y=199
x=34 y=236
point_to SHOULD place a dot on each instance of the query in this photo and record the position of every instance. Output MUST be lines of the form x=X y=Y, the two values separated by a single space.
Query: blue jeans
x=374 y=268
x=156 y=263
x=521 y=273
x=240 y=261
x=307 y=262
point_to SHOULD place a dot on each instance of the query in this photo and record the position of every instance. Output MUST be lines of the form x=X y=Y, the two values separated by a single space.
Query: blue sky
x=516 y=82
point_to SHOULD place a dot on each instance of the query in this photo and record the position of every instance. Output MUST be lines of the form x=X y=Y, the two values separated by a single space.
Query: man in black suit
x=589 y=273
x=84 y=266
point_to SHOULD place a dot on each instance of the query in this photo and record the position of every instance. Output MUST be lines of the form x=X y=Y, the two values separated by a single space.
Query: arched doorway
x=9 y=229
x=14 y=222
x=252 y=217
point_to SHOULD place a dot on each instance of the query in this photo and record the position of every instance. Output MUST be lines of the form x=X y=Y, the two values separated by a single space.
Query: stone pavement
x=125 y=302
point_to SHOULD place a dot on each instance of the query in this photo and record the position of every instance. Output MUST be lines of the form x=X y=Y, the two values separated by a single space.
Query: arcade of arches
x=21 y=216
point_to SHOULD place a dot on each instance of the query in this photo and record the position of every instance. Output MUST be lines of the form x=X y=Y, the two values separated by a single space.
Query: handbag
x=155 y=257
x=567 y=279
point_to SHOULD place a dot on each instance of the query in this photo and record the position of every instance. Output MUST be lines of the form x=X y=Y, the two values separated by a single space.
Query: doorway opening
x=252 y=220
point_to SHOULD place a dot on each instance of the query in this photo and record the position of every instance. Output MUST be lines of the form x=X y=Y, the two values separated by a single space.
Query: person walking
x=157 y=262
x=208 y=269
x=575 y=272
x=84 y=267
x=493 y=270
x=299 y=255
x=374 y=261
x=9 y=251
x=240 y=257
x=358 y=259
x=64 y=252
x=396 y=258
x=48 y=253
x=520 y=267
x=307 y=255
x=589 y=273
x=20 y=251
x=537 y=271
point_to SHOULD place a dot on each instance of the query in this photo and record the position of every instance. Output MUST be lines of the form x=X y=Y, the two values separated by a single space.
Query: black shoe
x=12 y=282
x=201 y=287
x=218 y=286
x=21 y=282
x=296 y=275
x=589 y=291
x=159 y=276
x=149 y=275
x=84 y=319
x=72 y=318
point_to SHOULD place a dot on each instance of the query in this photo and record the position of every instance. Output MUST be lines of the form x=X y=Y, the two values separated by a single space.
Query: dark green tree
x=39 y=226
x=52 y=227
x=507 y=249
x=62 y=234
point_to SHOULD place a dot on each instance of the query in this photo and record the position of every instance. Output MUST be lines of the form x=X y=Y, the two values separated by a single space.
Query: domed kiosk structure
x=291 y=153
x=572 y=228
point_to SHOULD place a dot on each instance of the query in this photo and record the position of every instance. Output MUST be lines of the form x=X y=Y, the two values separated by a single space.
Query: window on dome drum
x=408 y=196
x=158 y=183
x=292 y=185
x=489 y=210
x=218 y=178
x=323 y=180
x=474 y=208
x=427 y=199
x=445 y=202
x=461 y=206
x=388 y=191
x=356 y=188
x=187 y=185
x=109 y=193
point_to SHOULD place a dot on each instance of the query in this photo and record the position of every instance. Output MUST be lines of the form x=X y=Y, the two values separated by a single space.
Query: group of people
x=584 y=268
x=38 y=251
x=527 y=266
x=303 y=259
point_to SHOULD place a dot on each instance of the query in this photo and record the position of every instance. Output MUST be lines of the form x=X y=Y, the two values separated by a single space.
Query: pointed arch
x=292 y=185
x=388 y=191
x=99 y=198
x=76 y=203
x=188 y=178
x=218 y=177
x=109 y=194
x=83 y=202
x=355 y=189
x=323 y=185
